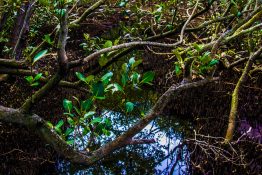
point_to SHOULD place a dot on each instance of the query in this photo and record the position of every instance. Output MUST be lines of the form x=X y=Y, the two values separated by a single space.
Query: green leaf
x=29 y=79
x=49 y=124
x=205 y=58
x=90 y=78
x=108 y=44
x=132 y=61
x=213 y=62
x=81 y=76
x=107 y=122
x=60 y=12
x=69 y=114
x=178 y=70
x=86 y=105
x=198 y=47
x=34 y=84
x=70 y=142
x=68 y=105
x=178 y=56
x=87 y=36
x=58 y=126
x=136 y=63
x=38 y=76
x=77 y=110
x=48 y=39
x=106 y=78
x=148 y=77
x=90 y=113
x=125 y=68
x=124 y=79
x=96 y=120
x=98 y=90
x=114 y=87
x=106 y=132
x=85 y=131
x=69 y=131
x=102 y=60
x=71 y=121
x=129 y=106
x=39 y=55
x=135 y=77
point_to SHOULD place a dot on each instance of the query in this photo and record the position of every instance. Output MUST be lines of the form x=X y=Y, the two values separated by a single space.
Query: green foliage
x=129 y=106
x=82 y=118
x=39 y=55
x=33 y=81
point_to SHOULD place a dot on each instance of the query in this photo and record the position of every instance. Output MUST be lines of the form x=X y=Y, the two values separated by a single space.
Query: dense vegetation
x=63 y=61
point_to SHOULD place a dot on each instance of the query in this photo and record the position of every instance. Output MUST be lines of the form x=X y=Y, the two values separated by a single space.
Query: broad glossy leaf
x=132 y=61
x=102 y=60
x=213 y=62
x=137 y=62
x=69 y=131
x=98 y=90
x=29 y=79
x=129 y=106
x=39 y=55
x=58 y=126
x=108 y=44
x=114 y=87
x=80 y=76
x=106 y=78
x=90 y=113
x=96 y=120
x=135 y=77
x=38 y=76
x=68 y=105
x=86 y=105
x=71 y=121
x=90 y=78
x=148 y=77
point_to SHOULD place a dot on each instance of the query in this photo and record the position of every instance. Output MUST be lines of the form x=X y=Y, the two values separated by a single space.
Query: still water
x=157 y=158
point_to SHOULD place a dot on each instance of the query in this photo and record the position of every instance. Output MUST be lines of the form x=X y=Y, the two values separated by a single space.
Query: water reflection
x=166 y=156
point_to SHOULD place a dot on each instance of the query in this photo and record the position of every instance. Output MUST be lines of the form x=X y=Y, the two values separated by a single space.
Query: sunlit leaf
x=29 y=79
x=38 y=76
x=39 y=55
x=96 y=120
x=80 y=76
x=89 y=114
x=108 y=44
x=102 y=60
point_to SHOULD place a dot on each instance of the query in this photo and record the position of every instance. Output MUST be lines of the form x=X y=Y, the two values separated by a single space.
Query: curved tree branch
x=235 y=96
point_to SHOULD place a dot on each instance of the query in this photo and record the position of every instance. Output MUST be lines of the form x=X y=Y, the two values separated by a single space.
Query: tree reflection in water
x=167 y=156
